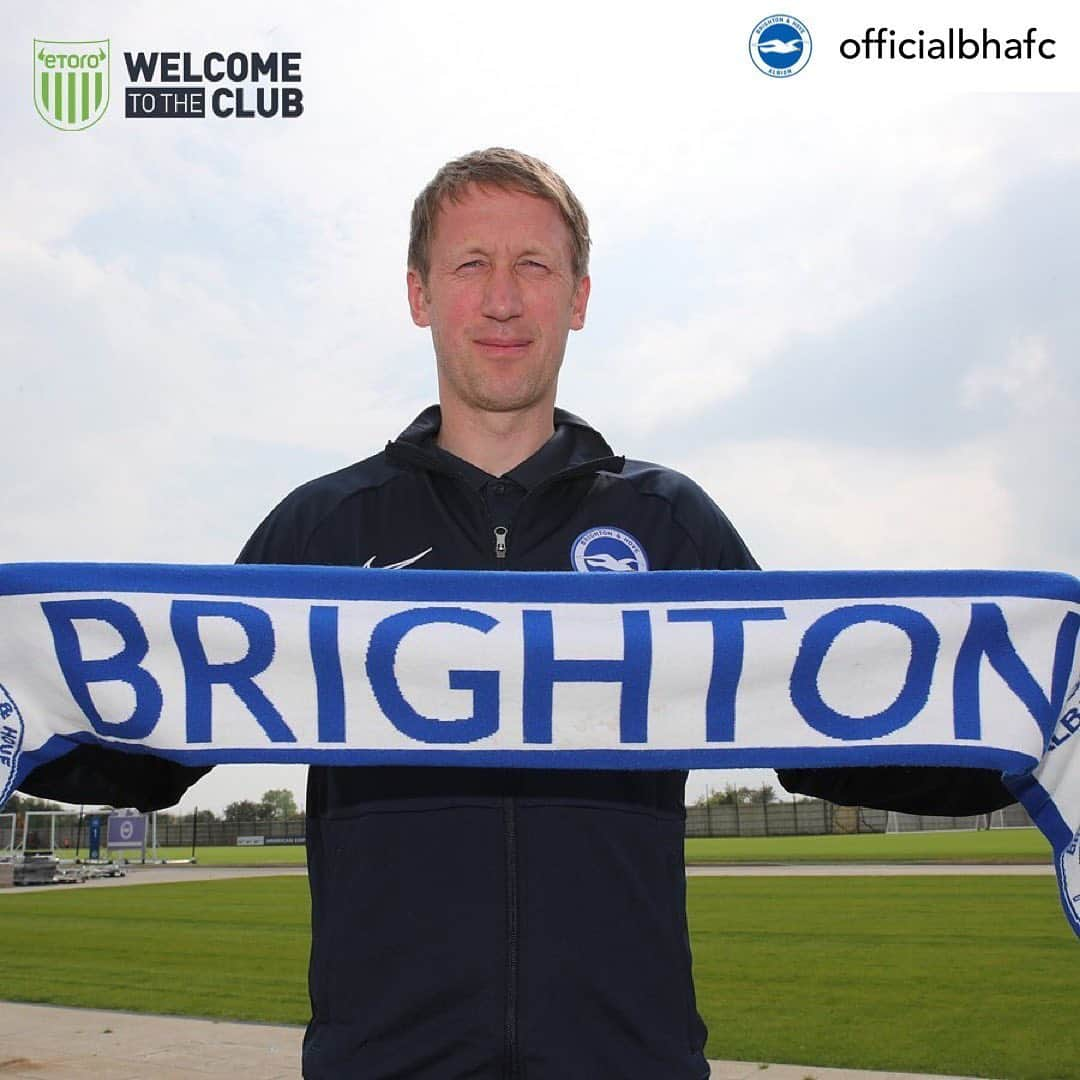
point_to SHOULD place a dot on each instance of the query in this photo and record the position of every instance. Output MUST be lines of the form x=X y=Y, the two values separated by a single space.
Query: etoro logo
x=71 y=82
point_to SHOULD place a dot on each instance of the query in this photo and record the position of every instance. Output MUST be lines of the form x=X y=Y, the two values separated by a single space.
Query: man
x=491 y=923
x=476 y=922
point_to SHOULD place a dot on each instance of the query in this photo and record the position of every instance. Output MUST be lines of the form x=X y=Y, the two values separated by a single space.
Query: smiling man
x=496 y=275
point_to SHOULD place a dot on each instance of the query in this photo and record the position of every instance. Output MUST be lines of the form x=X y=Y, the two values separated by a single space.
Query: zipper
x=502 y=532
x=512 y=1064
x=584 y=469
x=414 y=454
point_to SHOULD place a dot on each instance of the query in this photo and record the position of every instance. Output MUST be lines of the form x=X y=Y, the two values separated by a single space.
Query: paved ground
x=154 y=875
x=41 y=1042
x=158 y=875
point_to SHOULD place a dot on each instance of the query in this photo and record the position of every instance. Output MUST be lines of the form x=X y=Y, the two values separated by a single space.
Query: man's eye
x=533 y=264
x=472 y=264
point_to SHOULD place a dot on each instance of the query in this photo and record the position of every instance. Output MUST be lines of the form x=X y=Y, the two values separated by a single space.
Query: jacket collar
x=574 y=449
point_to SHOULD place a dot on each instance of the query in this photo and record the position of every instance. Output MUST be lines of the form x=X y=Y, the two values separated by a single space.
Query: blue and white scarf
x=706 y=669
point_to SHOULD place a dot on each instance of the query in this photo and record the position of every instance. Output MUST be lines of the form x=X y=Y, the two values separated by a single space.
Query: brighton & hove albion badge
x=780 y=46
x=605 y=549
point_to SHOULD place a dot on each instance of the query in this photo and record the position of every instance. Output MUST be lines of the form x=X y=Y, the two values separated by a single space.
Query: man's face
x=500 y=299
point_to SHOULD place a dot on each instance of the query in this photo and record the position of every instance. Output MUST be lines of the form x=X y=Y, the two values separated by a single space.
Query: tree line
x=746 y=796
x=276 y=804
x=738 y=796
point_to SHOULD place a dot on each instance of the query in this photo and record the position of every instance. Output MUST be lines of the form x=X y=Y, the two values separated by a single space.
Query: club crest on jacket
x=605 y=549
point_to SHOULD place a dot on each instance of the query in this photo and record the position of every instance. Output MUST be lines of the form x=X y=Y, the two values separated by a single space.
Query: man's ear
x=418 y=304
x=579 y=303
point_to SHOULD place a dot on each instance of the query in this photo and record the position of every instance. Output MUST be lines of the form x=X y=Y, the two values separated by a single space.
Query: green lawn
x=964 y=846
x=943 y=974
x=232 y=949
x=274 y=855
x=913 y=974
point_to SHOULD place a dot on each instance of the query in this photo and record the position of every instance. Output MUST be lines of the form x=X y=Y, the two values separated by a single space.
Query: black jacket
x=495 y=923
x=490 y=923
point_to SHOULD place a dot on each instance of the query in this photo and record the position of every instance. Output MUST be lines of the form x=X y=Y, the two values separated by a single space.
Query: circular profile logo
x=607 y=550
x=780 y=46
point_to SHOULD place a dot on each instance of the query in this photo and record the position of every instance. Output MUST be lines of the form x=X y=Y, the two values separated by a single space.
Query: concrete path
x=43 y=1042
x=162 y=875
x=158 y=875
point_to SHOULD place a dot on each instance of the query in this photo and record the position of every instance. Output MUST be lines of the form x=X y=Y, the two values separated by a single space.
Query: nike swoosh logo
x=369 y=565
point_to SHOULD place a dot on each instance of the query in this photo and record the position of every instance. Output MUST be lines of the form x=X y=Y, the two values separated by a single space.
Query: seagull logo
x=370 y=564
x=781 y=48
x=606 y=561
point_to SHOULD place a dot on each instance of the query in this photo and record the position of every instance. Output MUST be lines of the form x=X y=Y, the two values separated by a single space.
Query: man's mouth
x=502 y=345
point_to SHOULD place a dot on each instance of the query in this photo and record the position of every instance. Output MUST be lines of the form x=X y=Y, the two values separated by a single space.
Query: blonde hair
x=509 y=170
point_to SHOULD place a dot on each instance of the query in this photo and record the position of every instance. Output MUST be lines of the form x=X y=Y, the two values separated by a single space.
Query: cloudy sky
x=846 y=302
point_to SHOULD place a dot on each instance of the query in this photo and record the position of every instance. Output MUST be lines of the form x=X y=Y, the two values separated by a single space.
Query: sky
x=844 y=302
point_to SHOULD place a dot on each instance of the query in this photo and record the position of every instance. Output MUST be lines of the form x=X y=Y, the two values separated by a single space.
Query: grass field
x=960 y=846
x=914 y=974
x=945 y=974
x=988 y=846
x=275 y=855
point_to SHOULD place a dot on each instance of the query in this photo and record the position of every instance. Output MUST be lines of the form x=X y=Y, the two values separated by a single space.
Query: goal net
x=52 y=832
x=7 y=836
x=907 y=823
x=1011 y=817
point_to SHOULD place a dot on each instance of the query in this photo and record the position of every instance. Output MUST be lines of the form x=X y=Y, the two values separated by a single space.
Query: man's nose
x=502 y=295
